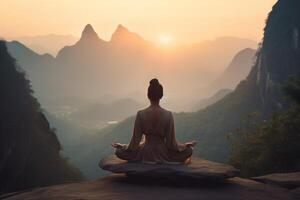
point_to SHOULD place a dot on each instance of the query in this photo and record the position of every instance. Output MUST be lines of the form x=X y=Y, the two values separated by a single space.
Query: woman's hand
x=191 y=144
x=117 y=145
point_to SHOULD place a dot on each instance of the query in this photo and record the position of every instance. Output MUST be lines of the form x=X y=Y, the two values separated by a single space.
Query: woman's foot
x=188 y=161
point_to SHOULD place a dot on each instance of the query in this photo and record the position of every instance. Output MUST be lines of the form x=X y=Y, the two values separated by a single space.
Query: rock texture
x=297 y=192
x=120 y=187
x=287 y=180
x=199 y=169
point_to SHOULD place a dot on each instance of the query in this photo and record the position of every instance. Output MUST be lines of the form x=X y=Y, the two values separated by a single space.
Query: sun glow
x=165 y=40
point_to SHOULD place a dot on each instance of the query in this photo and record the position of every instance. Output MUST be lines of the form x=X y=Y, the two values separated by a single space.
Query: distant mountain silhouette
x=95 y=68
x=29 y=149
x=38 y=67
x=88 y=34
x=125 y=37
x=42 y=44
x=27 y=56
x=203 y=103
x=277 y=60
x=88 y=43
x=237 y=70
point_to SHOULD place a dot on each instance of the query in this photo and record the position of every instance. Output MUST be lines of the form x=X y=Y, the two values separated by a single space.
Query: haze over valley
x=193 y=98
x=93 y=71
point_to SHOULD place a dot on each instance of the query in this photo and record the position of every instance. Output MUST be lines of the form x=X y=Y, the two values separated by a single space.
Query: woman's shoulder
x=142 y=112
x=167 y=111
x=148 y=109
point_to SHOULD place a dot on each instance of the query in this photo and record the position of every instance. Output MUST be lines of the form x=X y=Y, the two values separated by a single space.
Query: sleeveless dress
x=159 y=145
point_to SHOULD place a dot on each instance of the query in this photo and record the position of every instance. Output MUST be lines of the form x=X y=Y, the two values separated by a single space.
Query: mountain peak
x=89 y=33
x=121 y=29
x=120 y=33
x=123 y=35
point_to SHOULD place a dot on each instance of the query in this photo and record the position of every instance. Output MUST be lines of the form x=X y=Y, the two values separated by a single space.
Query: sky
x=177 y=21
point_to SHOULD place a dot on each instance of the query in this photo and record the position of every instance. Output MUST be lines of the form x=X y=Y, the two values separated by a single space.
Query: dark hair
x=155 y=90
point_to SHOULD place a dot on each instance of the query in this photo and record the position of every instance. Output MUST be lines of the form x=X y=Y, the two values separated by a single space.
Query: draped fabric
x=160 y=144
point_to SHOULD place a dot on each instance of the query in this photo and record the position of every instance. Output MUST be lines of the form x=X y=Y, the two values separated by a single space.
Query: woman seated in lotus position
x=157 y=124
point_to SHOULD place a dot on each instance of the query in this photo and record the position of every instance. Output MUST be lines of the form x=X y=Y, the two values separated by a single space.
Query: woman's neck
x=154 y=103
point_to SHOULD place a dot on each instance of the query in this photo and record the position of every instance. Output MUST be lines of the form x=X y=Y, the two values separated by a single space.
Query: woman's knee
x=119 y=153
x=189 y=151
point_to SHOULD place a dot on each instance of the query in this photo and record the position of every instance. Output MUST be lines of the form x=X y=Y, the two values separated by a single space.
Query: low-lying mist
x=94 y=83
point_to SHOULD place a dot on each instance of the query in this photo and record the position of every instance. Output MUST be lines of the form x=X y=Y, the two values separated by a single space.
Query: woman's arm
x=171 y=141
x=137 y=134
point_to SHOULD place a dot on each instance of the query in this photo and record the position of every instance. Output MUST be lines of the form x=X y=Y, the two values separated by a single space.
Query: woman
x=157 y=125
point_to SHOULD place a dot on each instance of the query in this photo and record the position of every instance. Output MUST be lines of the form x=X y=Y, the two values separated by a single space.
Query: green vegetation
x=29 y=149
x=274 y=145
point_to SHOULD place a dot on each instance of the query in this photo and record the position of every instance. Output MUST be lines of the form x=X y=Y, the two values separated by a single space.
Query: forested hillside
x=29 y=148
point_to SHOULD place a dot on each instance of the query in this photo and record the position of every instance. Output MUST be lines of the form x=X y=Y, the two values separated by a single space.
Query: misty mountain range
x=203 y=103
x=92 y=62
x=237 y=70
x=91 y=86
x=94 y=71
x=43 y=44
x=129 y=54
x=277 y=60
x=87 y=84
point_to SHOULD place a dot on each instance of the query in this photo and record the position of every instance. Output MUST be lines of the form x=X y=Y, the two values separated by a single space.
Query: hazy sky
x=183 y=21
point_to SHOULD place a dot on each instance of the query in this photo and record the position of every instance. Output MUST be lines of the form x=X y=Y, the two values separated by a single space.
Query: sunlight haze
x=150 y=99
x=204 y=19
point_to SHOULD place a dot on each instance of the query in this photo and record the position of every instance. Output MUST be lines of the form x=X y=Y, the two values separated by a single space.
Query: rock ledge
x=199 y=169
x=287 y=180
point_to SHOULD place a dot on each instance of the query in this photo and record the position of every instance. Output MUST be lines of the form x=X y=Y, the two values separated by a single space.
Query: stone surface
x=118 y=187
x=287 y=180
x=197 y=169
x=297 y=192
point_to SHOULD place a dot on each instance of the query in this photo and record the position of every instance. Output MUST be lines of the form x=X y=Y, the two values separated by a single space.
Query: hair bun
x=155 y=90
x=154 y=82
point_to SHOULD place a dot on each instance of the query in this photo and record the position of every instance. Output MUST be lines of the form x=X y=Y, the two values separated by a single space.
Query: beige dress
x=160 y=145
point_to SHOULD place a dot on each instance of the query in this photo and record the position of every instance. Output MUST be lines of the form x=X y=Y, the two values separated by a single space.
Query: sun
x=165 y=40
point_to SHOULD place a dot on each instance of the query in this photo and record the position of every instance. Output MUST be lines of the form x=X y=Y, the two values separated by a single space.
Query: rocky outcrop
x=120 y=187
x=198 y=169
x=297 y=192
x=29 y=149
x=286 y=180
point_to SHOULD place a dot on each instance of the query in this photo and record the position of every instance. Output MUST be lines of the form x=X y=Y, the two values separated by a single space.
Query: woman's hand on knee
x=191 y=144
x=117 y=145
